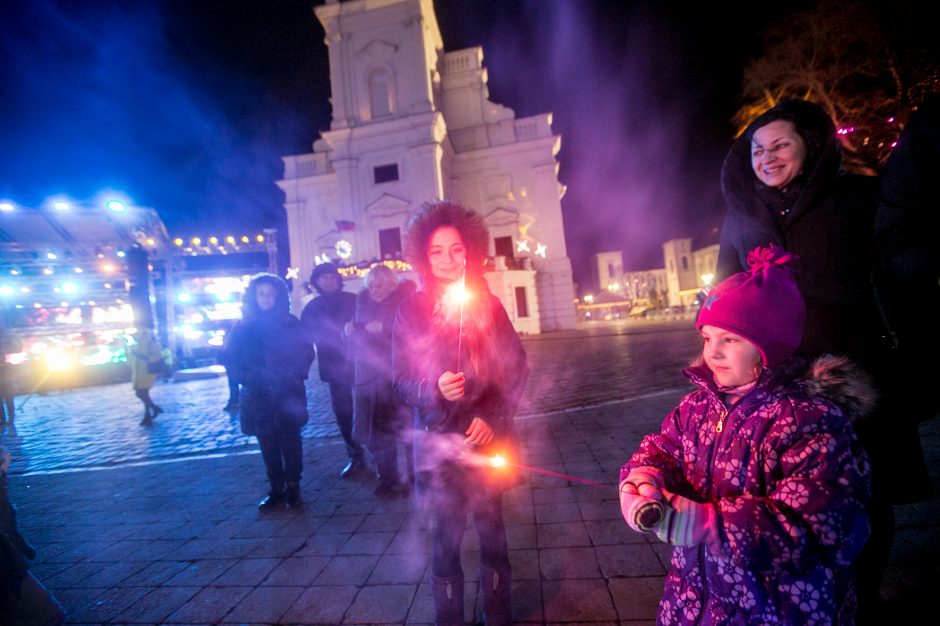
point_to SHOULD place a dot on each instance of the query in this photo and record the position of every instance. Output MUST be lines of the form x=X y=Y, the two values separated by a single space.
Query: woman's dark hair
x=281 y=307
x=812 y=123
x=430 y=216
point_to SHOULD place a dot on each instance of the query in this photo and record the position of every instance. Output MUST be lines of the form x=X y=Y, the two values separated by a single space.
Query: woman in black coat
x=268 y=353
x=464 y=389
x=783 y=183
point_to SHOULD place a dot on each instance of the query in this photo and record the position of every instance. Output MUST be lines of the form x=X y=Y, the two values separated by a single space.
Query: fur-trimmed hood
x=421 y=224
x=841 y=381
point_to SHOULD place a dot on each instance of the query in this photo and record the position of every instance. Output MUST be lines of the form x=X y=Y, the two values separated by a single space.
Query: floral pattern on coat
x=789 y=483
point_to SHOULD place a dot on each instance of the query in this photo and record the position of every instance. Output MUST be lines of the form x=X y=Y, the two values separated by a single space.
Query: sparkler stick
x=499 y=461
x=463 y=298
x=647 y=517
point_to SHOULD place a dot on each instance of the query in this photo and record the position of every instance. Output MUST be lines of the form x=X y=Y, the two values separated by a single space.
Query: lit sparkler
x=498 y=461
x=457 y=295
x=647 y=517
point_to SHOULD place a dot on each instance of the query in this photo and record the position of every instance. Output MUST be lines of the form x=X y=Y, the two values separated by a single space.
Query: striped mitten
x=687 y=523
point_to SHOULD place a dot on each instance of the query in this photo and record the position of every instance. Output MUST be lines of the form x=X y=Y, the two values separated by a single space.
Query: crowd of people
x=773 y=480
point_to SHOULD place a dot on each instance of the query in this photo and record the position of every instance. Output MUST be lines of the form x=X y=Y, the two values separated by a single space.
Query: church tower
x=412 y=123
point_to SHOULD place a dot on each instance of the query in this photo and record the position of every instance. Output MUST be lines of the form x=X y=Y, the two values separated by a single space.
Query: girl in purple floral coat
x=758 y=472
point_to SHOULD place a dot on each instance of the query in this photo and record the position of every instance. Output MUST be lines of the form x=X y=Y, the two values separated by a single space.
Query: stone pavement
x=161 y=527
x=99 y=426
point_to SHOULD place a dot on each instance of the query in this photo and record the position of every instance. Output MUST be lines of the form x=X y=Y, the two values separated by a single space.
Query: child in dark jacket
x=758 y=473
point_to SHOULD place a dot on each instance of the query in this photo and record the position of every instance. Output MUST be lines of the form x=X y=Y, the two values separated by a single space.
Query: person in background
x=231 y=406
x=783 y=183
x=325 y=318
x=9 y=343
x=758 y=472
x=7 y=392
x=23 y=599
x=908 y=276
x=144 y=358
x=269 y=354
x=380 y=419
x=463 y=370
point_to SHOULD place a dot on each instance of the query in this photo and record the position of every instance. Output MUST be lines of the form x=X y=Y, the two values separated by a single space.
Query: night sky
x=187 y=106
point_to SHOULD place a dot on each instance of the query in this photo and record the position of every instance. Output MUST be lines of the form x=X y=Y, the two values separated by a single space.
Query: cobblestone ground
x=169 y=531
x=99 y=426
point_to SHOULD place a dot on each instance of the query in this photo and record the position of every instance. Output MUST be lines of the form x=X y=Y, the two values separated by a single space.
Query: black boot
x=292 y=495
x=448 y=599
x=273 y=500
x=496 y=593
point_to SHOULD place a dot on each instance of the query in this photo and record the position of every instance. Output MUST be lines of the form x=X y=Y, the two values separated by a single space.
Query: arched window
x=380 y=93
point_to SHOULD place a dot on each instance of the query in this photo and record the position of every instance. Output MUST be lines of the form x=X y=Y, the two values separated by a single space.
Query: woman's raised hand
x=451 y=385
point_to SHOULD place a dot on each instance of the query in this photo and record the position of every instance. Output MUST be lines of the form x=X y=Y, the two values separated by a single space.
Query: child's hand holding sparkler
x=479 y=433
x=641 y=499
x=451 y=385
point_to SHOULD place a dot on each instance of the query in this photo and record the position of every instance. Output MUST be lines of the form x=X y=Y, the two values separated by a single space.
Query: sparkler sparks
x=498 y=461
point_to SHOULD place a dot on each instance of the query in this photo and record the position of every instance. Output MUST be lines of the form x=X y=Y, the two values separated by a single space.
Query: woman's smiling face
x=777 y=153
x=447 y=254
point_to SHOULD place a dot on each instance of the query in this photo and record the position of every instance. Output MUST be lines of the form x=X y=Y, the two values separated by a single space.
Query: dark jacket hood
x=250 y=308
x=823 y=159
x=320 y=270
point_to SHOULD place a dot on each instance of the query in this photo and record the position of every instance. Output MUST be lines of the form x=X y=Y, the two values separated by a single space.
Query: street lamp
x=116 y=206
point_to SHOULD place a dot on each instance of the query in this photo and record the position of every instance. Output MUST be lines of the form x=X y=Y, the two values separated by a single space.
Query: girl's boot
x=496 y=594
x=448 y=599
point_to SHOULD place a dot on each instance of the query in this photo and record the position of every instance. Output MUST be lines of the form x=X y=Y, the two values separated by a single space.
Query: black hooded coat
x=827 y=218
x=324 y=319
x=268 y=353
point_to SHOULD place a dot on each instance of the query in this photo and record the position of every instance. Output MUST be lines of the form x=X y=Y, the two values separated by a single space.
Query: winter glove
x=640 y=489
x=688 y=523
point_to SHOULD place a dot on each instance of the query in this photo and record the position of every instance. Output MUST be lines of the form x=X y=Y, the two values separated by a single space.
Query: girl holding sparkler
x=761 y=480
x=460 y=364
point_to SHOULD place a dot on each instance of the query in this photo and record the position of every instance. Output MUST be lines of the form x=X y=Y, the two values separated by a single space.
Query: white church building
x=413 y=123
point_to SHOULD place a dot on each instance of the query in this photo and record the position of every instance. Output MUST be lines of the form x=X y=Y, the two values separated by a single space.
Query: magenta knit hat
x=762 y=304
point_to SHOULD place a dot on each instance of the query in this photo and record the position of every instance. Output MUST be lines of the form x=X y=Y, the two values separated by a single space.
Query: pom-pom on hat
x=762 y=304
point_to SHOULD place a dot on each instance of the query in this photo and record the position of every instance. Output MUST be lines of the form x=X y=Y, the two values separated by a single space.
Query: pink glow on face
x=447 y=254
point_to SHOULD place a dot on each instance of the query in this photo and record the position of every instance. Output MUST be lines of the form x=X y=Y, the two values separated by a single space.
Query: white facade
x=608 y=268
x=412 y=123
x=680 y=269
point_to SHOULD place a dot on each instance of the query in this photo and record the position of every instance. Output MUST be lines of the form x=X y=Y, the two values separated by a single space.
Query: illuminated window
x=385 y=173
